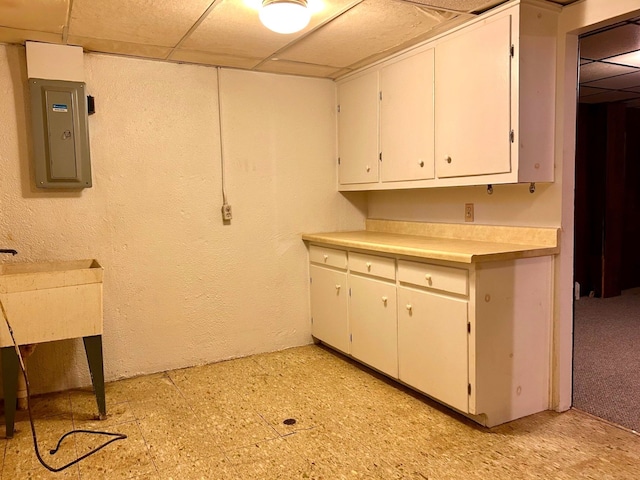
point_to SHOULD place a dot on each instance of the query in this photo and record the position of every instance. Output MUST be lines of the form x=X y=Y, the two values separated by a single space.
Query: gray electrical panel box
x=60 y=134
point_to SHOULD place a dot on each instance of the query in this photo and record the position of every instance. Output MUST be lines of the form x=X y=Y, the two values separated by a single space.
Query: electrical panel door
x=60 y=134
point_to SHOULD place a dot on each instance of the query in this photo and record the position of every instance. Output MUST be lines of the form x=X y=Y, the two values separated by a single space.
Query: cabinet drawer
x=373 y=265
x=328 y=256
x=437 y=277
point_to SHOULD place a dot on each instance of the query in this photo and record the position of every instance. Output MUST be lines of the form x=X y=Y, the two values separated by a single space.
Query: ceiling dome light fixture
x=285 y=16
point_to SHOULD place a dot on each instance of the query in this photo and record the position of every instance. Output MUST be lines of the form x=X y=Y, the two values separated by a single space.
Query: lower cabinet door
x=329 y=307
x=372 y=317
x=433 y=345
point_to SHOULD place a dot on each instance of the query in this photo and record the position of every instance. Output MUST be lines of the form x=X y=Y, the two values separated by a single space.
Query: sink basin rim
x=28 y=276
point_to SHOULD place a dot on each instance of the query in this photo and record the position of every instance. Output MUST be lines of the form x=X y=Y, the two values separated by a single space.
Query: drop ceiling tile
x=457 y=5
x=119 y=48
x=633 y=103
x=586 y=91
x=615 y=41
x=206 y=58
x=355 y=35
x=160 y=22
x=603 y=29
x=618 y=82
x=631 y=59
x=597 y=70
x=14 y=35
x=296 y=68
x=37 y=15
x=232 y=27
x=341 y=73
x=610 y=96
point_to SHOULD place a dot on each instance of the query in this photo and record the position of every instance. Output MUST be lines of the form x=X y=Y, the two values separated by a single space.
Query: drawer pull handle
x=368 y=265
x=337 y=287
x=409 y=307
x=421 y=163
x=427 y=277
x=384 y=300
x=448 y=159
x=368 y=168
x=326 y=257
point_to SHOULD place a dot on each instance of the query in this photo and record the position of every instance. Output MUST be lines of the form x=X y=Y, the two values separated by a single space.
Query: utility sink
x=48 y=301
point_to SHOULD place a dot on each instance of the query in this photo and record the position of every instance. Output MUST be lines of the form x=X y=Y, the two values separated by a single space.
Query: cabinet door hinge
x=338 y=160
x=349 y=291
x=469 y=389
x=338 y=108
x=380 y=156
x=512 y=51
x=512 y=136
x=468 y=327
x=380 y=95
x=310 y=279
x=350 y=337
x=311 y=319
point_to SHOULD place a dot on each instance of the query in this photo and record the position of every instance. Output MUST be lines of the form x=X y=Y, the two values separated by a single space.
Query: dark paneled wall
x=607 y=199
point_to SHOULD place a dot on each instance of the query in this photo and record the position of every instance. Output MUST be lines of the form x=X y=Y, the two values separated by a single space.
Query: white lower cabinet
x=372 y=316
x=475 y=337
x=433 y=345
x=329 y=291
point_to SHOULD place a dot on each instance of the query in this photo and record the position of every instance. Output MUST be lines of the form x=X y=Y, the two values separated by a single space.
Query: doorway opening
x=606 y=364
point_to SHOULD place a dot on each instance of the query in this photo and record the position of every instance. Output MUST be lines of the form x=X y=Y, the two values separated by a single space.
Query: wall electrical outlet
x=226 y=212
x=468 y=212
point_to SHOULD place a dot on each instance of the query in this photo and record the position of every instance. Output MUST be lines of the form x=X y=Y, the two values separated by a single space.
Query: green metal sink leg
x=10 y=386
x=93 y=349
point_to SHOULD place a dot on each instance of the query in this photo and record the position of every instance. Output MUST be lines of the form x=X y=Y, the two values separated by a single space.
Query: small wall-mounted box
x=59 y=116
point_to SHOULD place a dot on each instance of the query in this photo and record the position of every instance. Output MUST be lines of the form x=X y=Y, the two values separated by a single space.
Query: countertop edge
x=512 y=252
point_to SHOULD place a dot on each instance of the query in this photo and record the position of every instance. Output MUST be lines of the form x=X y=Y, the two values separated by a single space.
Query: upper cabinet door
x=473 y=101
x=406 y=119
x=358 y=129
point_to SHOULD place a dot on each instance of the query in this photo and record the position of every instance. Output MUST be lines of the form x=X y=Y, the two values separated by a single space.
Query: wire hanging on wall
x=226 y=208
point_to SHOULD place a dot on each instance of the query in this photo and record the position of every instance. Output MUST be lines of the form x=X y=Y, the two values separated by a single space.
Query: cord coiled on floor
x=116 y=436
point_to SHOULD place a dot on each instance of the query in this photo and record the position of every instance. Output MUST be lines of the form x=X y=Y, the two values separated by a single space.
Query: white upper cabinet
x=358 y=155
x=406 y=118
x=473 y=101
x=473 y=106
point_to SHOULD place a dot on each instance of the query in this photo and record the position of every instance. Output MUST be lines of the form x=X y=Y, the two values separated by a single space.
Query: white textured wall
x=180 y=288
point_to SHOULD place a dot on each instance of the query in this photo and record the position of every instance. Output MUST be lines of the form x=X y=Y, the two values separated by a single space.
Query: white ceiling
x=343 y=35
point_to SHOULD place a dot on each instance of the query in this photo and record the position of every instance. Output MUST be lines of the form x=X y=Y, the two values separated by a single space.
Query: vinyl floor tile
x=273 y=459
x=214 y=467
x=87 y=419
x=122 y=459
x=20 y=460
x=225 y=421
x=157 y=386
x=175 y=440
x=176 y=405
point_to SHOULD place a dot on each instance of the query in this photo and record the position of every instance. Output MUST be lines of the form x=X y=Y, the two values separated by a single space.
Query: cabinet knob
x=368 y=265
x=421 y=163
x=368 y=168
x=448 y=159
x=409 y=307
x=384 y=300
x=427 y=277
x=326 y=257
x=337 y=287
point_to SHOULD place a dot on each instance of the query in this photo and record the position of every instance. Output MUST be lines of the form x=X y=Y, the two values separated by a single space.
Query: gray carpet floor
x=606 y=369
